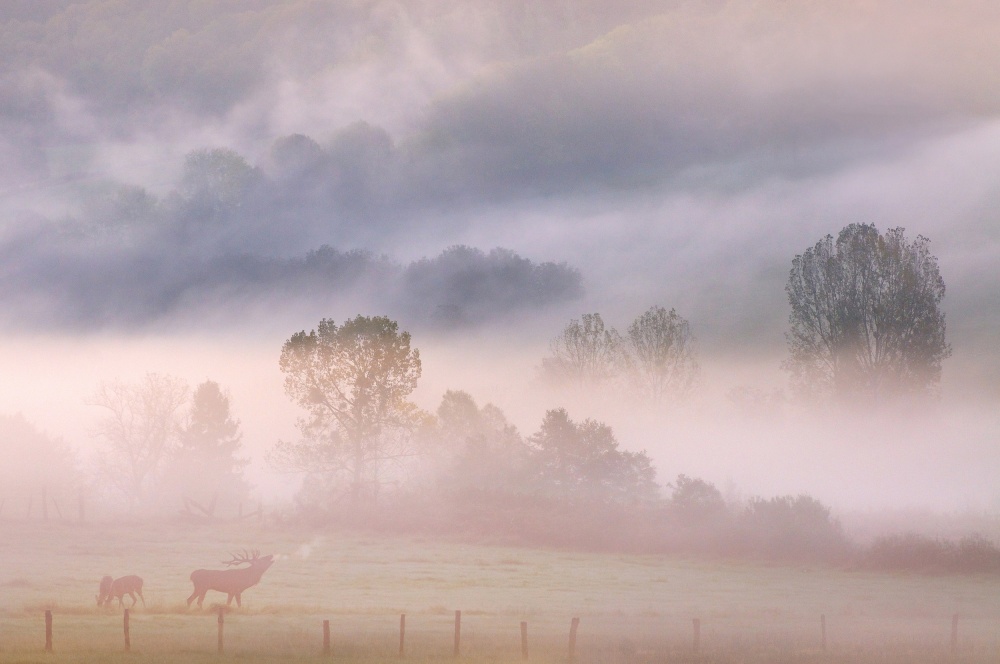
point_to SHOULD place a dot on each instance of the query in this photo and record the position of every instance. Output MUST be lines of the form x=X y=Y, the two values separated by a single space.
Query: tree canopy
x=488 y=456
x=585 y=352
x=207 y=465
x=660 y=354
x=866 y=322
x=581 y=462
x=354 y=381
x=655 y=360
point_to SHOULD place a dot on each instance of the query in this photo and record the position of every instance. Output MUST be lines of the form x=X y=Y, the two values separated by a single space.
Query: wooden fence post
x=48 y=630
x=524 y=640
x=221 y=621
x=402 y=633
x=954 y=634
x=696 y=623
x=458 y=631
x=822 y=629
x=572 y=639
x=326 y=638
x=128 y=640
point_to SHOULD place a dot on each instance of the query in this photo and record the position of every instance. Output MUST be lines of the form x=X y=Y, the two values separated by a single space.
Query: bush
x=911 y=552
x=788 y=528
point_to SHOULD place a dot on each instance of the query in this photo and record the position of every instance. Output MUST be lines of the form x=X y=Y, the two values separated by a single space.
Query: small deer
x=230 y=581
x=130 y=585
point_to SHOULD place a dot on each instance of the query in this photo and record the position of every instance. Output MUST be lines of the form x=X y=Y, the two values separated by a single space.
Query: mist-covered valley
x=187 y=185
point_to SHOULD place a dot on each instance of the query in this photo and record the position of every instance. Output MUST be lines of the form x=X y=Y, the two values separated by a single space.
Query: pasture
x=631 y=608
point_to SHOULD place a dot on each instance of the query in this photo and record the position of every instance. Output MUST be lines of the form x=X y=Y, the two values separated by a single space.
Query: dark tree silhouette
x=584 y=353
x=866 y=322
x=582 y=463
x=660 y=355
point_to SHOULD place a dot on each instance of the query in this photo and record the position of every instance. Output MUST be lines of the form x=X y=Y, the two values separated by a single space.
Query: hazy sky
x=650 y=153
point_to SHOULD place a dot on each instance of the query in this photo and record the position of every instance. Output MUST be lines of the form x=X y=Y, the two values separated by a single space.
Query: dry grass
x=632 y=608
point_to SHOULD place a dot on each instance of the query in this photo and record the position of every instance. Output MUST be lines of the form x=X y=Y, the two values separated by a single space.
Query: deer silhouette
x=230 y=581
x=130 y=585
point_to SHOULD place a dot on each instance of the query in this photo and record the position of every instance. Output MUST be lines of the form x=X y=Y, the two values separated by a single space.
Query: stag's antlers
x=248 y=557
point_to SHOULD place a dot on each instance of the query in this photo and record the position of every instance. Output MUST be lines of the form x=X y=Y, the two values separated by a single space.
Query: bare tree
x=354 y=381
x=585 y=353
x=138 y=431
x=660 y=355
x=866 y=322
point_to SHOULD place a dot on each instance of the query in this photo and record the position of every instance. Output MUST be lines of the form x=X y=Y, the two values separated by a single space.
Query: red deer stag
x=230 y=581
x=130 y=585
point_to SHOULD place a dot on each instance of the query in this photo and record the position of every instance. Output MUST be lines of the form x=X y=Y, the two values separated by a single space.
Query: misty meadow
x=634 y=313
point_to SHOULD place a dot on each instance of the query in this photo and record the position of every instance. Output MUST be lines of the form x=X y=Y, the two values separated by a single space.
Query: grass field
x=631 y=608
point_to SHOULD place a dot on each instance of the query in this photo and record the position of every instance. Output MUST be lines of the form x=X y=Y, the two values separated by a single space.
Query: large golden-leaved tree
x=354 y=381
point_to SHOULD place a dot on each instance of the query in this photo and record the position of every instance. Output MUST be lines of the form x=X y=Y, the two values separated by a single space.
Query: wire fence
x=423 y=637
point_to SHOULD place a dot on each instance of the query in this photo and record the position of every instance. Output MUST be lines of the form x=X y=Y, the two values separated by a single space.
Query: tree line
x=865 y=324
x=229 y=233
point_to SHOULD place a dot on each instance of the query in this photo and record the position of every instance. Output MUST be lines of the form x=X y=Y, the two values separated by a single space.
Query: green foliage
x=488 y=459
x=694 y=500
x=353 y=380
x=217 y=179
x=295 y=158
x=866 y=322
x=206 y=466
x=913 y=552
x=464 y=284
x=792 y=528
x=581 y=463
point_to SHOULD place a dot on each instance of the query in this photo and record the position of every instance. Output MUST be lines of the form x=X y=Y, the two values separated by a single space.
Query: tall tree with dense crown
x=866 y=322
x=354 y=381
x=207 y=466
x=582 y=463
x=487 y=455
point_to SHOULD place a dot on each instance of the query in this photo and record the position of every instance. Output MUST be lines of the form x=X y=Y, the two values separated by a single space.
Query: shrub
x=792 y=528
x=911 y=552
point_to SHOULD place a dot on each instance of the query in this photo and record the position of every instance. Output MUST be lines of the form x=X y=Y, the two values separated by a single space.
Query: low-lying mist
x=737 y=430
x=187 y=186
